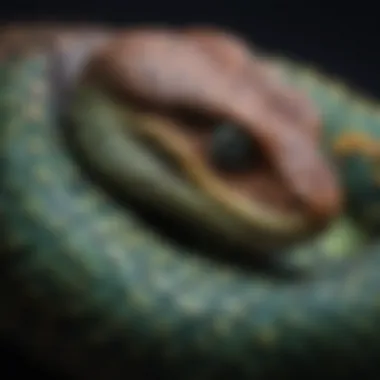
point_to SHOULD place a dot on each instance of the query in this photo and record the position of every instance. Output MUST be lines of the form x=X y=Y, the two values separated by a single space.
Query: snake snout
x=307 y=175
x=320 y=191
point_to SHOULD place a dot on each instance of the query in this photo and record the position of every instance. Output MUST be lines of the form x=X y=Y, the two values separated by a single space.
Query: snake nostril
x=233 y=150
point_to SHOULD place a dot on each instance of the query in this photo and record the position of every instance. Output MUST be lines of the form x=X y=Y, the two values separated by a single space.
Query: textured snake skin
x=90 y=288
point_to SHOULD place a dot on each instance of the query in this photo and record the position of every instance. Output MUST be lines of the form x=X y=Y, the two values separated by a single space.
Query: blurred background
x=342 y=39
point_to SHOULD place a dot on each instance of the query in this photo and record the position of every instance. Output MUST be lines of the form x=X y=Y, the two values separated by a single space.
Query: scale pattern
x=90 y=288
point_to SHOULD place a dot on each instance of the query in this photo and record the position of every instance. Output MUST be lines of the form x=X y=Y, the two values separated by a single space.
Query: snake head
x=241 y=138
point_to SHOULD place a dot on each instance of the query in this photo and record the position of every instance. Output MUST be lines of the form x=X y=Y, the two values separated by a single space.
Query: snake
x=91 y=286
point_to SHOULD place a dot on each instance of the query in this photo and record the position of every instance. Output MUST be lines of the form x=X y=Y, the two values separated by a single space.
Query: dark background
x=342 y=39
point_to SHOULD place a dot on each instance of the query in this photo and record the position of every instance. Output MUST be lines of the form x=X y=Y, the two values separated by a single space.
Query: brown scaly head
x=244 y=137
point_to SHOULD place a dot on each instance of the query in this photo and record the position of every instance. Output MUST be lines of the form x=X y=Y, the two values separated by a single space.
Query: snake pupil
x=233 y=150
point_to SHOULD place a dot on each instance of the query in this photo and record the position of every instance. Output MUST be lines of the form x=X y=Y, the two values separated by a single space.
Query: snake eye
x=233 y=150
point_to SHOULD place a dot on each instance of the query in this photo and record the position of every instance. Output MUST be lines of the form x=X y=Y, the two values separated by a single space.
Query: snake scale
x=89 y=287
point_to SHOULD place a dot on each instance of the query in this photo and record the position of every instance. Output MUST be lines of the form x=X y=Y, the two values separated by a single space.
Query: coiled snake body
x=87 y=285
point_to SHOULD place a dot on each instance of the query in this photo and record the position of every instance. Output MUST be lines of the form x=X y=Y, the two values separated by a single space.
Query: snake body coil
x=87 y=285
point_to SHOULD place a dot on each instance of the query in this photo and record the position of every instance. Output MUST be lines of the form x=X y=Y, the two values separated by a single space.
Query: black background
x=343 y=39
